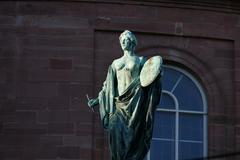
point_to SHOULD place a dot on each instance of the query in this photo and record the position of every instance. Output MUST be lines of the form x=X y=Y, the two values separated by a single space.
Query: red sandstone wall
x=53 y=53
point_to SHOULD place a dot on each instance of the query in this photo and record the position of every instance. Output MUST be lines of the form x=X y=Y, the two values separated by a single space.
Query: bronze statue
x=127 y=101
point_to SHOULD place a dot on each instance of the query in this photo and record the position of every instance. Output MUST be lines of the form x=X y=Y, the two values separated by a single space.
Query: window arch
x=180 y=127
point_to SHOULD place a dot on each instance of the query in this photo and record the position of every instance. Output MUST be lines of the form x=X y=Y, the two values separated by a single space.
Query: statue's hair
x=129 y=35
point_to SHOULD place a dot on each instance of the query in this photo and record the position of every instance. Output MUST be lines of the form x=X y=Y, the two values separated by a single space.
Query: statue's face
x=125 y=43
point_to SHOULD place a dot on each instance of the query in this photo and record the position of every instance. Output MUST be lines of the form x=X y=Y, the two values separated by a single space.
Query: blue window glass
x=170 y=78
x=163 y=150
x=191 y=99
x=164 y=125
x=166 y=102
x=191 y=127
x=189 y=150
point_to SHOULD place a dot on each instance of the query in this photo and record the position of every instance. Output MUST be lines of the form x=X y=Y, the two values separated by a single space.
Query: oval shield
x=150 y=70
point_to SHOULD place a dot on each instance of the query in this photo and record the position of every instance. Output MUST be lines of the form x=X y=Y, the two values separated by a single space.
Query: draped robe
x=128 y=117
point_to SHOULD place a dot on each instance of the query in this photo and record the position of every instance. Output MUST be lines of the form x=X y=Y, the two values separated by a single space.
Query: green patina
x=126 y=108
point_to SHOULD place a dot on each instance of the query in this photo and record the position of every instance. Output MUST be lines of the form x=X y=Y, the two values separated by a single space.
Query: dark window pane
x=191 y=127
x=188 y=95
x=169 y=78
x=164 y=125
x=166 y=102
x=162 y=150
x=189 y=151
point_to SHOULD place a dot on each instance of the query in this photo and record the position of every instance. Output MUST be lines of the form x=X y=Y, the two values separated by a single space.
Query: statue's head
x=127 y=40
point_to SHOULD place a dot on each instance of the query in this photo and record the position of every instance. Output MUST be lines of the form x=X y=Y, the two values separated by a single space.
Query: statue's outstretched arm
x=95 y=101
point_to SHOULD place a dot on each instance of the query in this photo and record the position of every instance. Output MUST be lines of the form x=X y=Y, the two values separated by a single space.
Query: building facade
x=54 y=53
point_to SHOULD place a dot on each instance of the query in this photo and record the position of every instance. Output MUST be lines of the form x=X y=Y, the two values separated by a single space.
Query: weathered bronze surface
x=126 y=107
x=150 y=70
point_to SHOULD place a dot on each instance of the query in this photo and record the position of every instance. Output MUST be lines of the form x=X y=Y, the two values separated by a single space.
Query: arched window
x=180 y=127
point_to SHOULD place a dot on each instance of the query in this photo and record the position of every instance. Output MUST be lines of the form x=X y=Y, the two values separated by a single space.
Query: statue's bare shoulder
x=118 y=64
x=142 y=60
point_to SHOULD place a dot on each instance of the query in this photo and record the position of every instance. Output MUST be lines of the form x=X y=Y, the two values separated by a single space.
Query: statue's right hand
x=92 y=102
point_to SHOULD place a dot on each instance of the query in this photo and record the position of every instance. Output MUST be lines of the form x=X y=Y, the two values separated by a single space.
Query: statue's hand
x=92 y=102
